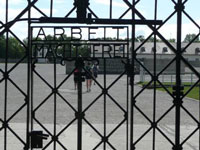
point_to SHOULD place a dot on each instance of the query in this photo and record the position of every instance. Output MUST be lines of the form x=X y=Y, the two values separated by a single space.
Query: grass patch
x=194 y=93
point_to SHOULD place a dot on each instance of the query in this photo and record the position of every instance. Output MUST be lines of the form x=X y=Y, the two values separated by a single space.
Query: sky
x=101 y=8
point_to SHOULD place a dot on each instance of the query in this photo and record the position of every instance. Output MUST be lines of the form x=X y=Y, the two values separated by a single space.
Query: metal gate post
x=178 y=101
x=133 y=56
x=79 y=65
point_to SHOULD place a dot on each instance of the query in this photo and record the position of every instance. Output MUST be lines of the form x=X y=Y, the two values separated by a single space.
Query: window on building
x=197 y=50
x=165 y=50
x=142 y=50
x=153 y=50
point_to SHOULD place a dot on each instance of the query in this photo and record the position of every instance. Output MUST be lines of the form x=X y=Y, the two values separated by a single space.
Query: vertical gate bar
x=154 y=73
x=199 y=115
x=32 y=82
x=104 y=78
x=51 y=9
x=110 y=9
x=79 y=142
x=127 y=94
x=55 y=103
x=28 y=51
x=127 y=108
x=178 y=74
x=132 y=78
x=6 y=81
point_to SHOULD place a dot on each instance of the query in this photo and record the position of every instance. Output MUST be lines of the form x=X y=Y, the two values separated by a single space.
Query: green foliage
x=172 y=40
x=81 y=50
x=194 y=93
x=2 y=46
x=15 y=49
x=190 y=37
x=140 y=38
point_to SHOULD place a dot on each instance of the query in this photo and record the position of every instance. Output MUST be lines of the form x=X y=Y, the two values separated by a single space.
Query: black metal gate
x=43 y=94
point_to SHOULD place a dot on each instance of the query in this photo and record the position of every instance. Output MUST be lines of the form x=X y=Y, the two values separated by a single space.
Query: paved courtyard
x=95 y=113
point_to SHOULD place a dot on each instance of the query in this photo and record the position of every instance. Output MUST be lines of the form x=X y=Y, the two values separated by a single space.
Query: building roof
x=162 y=48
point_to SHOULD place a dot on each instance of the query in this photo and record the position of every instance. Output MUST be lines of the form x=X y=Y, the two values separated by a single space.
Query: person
x=95 y=69
x=88 y=76
x=75 y=78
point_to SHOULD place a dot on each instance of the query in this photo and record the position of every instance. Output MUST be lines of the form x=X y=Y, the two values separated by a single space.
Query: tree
x=172 y=40
x=139 y=38
x=15 y=49
x=190 y=37
x=2 y=46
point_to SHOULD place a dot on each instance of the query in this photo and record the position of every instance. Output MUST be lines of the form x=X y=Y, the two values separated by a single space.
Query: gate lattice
x=32 y=138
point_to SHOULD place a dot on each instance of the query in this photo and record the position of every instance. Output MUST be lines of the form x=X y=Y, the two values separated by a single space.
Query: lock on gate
x=37 y=138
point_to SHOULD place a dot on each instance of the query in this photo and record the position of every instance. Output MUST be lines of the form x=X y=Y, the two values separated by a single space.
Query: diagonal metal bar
x=190 y=89
x=190 y=43
x=191 y=134
x=66 y=102
x=192 y=116
x=48 y=144
x=144 y=67
x=42 y=79
x=1 y=71
x=67 y=126
x=116 y=102
x=166 y=66
x=144 y=42
x=42 y=126
x=22 y=43
x=166 y=20
x=93 y=13
x=16 y=112
x=190 y=66
x=184 y=2
x=170 y=16
x=161 y=117
x=116 y=128
x=61 y=145
x=9 y=25
x=124 y=13
x=150 y=26
x=94 y=101
x=1 y=80
x=143 y=89
x=66 y=79
x=128 y=10
x=111 y=145
x=43 y=102
x=92 y=127
x=1 y=128
x=143 y=114
x=117 y=79
x=15 y=85
x=16 y=135
x=165 y=89
x=142 y=136
x=97 y=145
x=174 y=2
x=191 y=19
x=41 y=12
x=93 y=78
x=69 y=13
x=165 y=136
x=16 y=64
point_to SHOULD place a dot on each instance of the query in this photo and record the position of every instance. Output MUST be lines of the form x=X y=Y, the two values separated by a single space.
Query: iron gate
x=29 y=138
